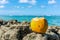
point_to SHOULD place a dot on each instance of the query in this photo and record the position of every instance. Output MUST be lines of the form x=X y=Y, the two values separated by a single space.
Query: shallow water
x=52 y=20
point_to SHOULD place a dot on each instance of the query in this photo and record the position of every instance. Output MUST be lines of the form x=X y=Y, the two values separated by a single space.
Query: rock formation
x=15 y=30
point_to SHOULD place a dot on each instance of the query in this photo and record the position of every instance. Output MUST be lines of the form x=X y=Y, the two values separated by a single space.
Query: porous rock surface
x=14 y=30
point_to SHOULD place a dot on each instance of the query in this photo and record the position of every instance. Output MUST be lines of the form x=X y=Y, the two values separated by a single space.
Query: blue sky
x=29 y=7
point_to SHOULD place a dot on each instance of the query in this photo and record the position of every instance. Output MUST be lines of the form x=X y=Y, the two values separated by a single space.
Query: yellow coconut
x=39 y=25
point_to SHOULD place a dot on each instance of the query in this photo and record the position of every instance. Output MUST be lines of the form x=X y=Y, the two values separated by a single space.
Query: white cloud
x=51 y=1
x=23 y=7
x=33 y=2
x=23 y=1
x=3 y=1
x=1 y=6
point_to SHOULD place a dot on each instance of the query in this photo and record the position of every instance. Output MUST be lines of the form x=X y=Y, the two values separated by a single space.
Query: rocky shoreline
x=14 y=30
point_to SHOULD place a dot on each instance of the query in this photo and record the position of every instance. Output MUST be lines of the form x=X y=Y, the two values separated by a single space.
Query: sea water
x=52 y=20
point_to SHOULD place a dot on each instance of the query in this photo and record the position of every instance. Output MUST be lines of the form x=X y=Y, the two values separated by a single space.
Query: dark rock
x=1 y=22
x=23 y=31
x=34 y=36
x=12 y=21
